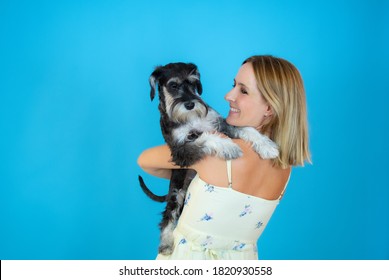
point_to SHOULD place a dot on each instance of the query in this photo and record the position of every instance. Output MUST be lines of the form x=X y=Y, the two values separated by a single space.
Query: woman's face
x=247 y=105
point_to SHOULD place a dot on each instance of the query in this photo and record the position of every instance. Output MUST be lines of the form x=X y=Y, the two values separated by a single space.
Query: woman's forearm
x=157 y=161
x=158 y=172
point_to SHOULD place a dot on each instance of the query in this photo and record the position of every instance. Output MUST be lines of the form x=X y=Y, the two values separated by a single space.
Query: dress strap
x=229 y=174
x=283 y=191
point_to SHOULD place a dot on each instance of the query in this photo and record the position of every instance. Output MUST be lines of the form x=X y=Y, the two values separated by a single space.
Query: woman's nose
x=230 y=96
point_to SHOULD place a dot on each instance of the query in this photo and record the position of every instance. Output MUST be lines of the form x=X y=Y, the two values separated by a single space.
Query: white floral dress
x=219 y=223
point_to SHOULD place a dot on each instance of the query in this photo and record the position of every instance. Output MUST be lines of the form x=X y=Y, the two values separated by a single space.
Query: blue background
x=75 y=113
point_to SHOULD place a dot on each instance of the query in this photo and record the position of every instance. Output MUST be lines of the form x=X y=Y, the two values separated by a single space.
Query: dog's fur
x=188 y=126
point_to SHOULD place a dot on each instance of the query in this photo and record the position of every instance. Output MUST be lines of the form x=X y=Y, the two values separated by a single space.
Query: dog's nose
x=189 y=105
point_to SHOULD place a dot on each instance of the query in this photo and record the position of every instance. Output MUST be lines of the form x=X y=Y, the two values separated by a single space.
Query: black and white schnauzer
x=188 y=126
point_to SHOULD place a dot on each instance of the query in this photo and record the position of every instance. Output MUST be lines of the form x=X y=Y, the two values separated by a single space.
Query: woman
x=228 y=204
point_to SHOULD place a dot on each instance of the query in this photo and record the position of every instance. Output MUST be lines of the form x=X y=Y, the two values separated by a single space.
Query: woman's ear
x=269 y=111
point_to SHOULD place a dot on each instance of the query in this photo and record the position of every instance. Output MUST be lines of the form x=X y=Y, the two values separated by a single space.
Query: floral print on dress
x=209 y=212
x=187 y=198
x=247 y=210
x=258 y=225
x=182 y=241
x=208 y=241
x=206 y=217
x=238 y=246
x=209 y=188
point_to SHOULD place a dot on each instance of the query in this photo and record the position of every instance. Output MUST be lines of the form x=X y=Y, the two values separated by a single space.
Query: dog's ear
x=153 y=81
x=196 y=77
x=198 y=84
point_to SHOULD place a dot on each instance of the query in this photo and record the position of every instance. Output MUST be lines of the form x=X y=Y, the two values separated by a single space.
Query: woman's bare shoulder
x=257 y=176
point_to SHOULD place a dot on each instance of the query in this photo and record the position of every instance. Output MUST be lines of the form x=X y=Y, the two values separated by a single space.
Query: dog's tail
x=159 y=198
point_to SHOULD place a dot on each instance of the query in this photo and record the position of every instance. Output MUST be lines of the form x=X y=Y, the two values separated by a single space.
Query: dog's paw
x=261 y=144
x=267 y=149
x=193 y=135
x=165 y=249
x=230 y=150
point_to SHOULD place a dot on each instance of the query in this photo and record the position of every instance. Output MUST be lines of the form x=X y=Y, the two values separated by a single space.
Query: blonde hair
x=282 y=87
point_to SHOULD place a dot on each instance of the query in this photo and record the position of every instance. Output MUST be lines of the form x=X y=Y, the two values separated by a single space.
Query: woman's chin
x=232 y=121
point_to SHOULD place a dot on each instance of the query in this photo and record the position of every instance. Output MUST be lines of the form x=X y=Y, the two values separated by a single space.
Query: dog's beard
x=177 y=112
x=180 y=114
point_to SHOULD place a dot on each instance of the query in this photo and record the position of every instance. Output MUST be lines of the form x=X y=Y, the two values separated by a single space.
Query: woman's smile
x=234 y=110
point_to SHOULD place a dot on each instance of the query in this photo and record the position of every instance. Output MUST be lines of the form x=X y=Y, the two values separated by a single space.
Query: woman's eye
x=243 y=91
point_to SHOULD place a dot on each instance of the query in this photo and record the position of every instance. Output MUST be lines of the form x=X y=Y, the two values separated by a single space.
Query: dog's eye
x=173 y=85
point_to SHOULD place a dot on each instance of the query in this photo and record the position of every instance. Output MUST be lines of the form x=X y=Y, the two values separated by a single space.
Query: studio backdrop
x=75 y=113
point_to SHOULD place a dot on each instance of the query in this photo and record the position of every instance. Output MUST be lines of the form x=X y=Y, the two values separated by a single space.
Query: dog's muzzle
x=182 y=112
x=189 y=105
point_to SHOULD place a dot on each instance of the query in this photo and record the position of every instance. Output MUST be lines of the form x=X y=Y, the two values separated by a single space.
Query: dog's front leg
x=216 y=145
x=187 y=153
x=262 y=144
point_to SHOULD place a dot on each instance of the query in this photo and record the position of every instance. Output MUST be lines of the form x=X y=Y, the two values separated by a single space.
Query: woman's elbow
x=142 y=163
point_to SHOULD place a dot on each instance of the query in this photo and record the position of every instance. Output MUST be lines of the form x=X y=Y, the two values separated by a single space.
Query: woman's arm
x=157 y=161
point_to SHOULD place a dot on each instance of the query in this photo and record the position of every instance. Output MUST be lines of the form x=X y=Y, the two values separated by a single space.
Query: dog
x=190 y=128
